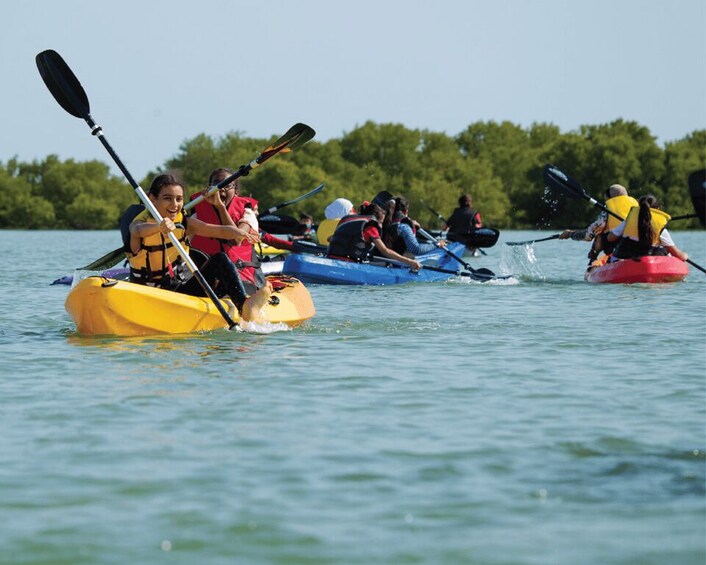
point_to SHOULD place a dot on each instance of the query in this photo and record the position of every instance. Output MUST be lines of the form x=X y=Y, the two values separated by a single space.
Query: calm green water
x=545 y=421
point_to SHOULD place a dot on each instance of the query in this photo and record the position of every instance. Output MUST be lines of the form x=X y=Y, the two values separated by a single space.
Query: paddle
x=458 y=273
x=295 y=137
x=555 y=236
x=481 y=274
x=68 y=92
x=697 y=190
x=108 y=260
x=558 y=179
x=297 y=199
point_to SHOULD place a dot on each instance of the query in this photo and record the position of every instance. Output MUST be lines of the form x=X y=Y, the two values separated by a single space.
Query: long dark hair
x=645 y=232
x=165 y=179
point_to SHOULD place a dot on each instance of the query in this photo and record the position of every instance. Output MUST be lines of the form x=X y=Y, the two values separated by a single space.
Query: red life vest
x=242 y=255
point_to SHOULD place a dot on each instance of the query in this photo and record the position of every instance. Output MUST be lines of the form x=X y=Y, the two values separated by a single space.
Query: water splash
x=262 y=327
x=522 y=260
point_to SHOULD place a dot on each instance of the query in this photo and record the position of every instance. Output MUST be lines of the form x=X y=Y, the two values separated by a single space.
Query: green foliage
x=499 y=164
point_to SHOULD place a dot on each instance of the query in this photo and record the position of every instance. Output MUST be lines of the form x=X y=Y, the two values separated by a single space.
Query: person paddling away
x=403 y=231
x=617 y=201
x=154 y=261
x=464 y=219
x=357 y=238
x=644 y=233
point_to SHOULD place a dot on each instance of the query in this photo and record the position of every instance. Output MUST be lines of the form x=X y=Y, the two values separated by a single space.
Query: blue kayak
x=319 y=269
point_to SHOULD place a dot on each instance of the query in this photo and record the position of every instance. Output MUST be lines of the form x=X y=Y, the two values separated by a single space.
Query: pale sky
x=160 y=72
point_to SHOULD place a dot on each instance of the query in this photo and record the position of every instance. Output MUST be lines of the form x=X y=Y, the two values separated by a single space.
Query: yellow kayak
x=102 y=306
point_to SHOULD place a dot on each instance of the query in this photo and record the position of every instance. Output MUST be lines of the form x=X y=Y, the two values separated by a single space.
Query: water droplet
x=166 y=545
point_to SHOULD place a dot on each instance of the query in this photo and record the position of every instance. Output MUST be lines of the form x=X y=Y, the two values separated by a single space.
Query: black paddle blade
x=697 y=189
x=558 y=180
x=482 y=237
x=281 y=224
x=295 y=137
x=382 y=198
x=63 y=84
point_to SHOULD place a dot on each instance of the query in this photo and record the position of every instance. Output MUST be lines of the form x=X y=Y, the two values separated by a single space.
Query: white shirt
x=665 y=240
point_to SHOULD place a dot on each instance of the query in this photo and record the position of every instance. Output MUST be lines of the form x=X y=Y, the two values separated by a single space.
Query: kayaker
x=617 y=201
x=231 y=210
x=464 y=219
x=644 y=233
x=403 y=231
x=155 y=262
x=358 y=237
x=306 y=228
x=333 y=213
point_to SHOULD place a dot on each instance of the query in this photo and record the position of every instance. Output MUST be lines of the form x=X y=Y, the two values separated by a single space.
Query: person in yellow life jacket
x=154 y=261
x=644 y=233
x=332 y=215
x=617 y=201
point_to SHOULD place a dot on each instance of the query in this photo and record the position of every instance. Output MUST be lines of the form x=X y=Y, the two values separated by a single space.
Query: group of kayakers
x=222 y=232
x=223 y=229
x=642 y=231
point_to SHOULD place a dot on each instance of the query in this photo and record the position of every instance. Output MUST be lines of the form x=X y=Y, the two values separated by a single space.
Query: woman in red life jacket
x=359 y=236
x=228 y=210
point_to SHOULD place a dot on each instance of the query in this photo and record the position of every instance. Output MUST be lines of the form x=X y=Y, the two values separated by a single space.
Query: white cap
x=338 y=208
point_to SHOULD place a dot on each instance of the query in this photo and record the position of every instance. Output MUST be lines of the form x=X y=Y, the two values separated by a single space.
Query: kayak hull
x=648 y=269
x=318 y=269
x=102 y=306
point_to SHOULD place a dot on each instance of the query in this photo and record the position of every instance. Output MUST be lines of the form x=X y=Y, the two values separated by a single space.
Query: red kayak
x=648 y=269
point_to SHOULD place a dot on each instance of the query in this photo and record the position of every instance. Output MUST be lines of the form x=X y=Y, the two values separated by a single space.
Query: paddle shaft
x=555 y=236
x=435 y=269
x=67 y=90
x=98 y=131
x=296 y=136
x=481 y=273
x=297 y=199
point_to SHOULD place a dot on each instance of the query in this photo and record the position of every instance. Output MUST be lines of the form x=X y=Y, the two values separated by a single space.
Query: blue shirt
x=410 y=241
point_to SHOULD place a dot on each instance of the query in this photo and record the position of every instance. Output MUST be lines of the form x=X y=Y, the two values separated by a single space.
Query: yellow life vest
x=621 y=206
x=658 y=219
x=154 y=261
x=325 y=230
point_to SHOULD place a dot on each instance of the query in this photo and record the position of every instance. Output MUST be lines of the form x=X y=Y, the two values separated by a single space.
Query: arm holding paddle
x=385 y=251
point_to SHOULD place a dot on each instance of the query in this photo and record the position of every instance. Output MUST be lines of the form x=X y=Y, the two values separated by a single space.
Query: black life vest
x=462 y=221
x=347 y=241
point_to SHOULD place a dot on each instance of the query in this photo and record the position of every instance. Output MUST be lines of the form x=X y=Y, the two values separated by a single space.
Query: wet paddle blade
x=558 y=180
x=63 y=84
x=697 y=189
